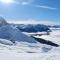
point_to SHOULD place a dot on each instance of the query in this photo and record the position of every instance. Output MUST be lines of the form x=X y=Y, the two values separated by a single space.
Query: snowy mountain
x=32 y=27
x=13 y=34
x=27 y=48
x=54 y=26
x=2 y=21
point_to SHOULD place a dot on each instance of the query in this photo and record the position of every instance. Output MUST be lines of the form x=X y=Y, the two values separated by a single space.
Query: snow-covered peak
x=2 y=21
x=14 y=34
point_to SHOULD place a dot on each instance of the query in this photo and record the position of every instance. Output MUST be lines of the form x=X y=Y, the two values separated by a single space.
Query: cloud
x=46 y=7
x=46 y=22
x=29 y=2
x=26 y=2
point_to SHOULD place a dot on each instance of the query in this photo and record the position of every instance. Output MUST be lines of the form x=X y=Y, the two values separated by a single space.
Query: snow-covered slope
x=13 y=34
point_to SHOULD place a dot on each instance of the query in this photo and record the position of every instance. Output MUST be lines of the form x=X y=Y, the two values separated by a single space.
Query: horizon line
x=46 y=22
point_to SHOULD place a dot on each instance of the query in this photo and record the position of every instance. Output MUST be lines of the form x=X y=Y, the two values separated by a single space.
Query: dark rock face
x=46 y=42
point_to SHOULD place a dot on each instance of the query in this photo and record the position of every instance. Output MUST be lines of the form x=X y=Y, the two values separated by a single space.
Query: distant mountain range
x=11 y=33
x=36 y=27
x=54 y=26
x=32 y=27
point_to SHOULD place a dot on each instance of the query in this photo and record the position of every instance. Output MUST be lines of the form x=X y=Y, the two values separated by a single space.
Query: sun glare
x=6 y=1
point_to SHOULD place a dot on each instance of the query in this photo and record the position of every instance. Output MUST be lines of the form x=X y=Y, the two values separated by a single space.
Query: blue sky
x=30 y=10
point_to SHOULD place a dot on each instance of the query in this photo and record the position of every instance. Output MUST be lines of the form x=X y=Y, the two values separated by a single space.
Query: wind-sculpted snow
x=13 y=34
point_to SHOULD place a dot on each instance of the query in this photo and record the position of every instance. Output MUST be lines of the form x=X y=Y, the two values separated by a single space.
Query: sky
x=41 y=10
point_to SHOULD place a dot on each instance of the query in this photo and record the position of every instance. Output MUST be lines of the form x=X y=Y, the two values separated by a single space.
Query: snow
x=23 y=50
x=37 y=33
x=54 y=28
x=54 y=36
x=25 y=47
x=30 y=28
x=13 y=34
x=2 y=21
x=26 y=53
x=24 y=56
x=6 y=42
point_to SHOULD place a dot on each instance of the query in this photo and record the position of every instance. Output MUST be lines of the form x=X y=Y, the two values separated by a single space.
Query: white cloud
x=46 y=7
x=27 y=2
x=24 y=3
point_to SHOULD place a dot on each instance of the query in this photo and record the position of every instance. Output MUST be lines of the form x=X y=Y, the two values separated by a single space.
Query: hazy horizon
x=46 y=22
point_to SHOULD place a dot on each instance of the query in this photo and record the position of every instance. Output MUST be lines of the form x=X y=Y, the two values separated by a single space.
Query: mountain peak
x=2 y=21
